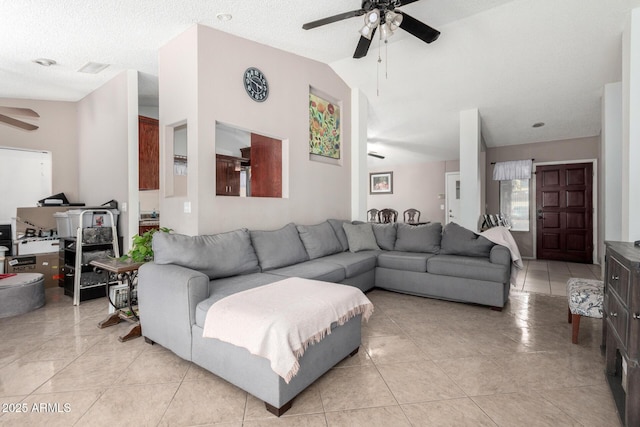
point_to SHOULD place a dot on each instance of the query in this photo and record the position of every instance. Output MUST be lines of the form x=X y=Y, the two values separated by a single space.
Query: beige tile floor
x=550 y=277
x=423 y=362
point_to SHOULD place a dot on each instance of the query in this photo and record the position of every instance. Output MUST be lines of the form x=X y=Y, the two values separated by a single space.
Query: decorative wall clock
x=256 y=85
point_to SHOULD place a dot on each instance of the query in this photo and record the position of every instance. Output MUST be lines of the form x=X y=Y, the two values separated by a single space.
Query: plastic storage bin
x=63 y=223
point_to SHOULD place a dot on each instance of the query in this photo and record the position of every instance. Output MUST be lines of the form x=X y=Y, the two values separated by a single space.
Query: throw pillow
x=278 y=248
x=457 y=240
x=385 y=235
x=360 y=237
x=337 y=227
x=218 y=255
x=419 y=238
x=319 y=240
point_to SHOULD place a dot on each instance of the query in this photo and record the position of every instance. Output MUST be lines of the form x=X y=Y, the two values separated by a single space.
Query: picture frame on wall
x=324 y=126
x=381 y=183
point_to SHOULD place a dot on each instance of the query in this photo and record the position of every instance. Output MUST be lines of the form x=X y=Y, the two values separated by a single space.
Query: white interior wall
x=630 y=229
x=196 y=88
x=470 y=159
x=611 y=159
x=57 y=133
x=108 y=149
x=359 y=174
x=178 y=87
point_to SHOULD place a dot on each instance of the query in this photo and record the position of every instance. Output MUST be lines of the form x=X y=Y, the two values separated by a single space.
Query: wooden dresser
x=621 y=328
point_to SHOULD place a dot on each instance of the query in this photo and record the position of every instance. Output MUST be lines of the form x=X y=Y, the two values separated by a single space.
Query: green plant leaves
x=141 y=250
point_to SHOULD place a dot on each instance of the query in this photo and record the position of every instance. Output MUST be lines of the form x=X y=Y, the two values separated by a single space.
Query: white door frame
x=446 y=192
x=594 y=196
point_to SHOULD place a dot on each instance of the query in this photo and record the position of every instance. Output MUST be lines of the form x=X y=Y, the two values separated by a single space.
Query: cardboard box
x=47 y=264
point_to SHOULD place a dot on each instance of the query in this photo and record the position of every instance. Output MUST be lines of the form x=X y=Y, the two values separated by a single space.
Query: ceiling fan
x=381 y=14
x=21 y=112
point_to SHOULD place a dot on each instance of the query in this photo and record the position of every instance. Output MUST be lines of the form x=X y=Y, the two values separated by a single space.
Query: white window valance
x=515 y=169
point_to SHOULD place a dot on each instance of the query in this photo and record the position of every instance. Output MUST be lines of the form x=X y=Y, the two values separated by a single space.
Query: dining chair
x=387 y=215
x=411 y=216
x=372 y=215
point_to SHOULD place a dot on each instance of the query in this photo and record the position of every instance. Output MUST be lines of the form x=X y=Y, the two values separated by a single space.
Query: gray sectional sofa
x=189 y=274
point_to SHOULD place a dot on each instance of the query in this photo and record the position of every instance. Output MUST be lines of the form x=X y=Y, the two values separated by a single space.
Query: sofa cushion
x=319 y=240
x=360 y=237
x=354 y=263
x=457 y=240
x=221 y=288
x=342 y=236
x=278 y=248
x=468 y=267
x=217 y=255
x=314 y=269
x=385 y=235
x=410 y=261
x=418 y=238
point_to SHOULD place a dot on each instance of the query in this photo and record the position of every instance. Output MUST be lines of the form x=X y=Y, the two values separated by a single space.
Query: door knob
x=539 y=212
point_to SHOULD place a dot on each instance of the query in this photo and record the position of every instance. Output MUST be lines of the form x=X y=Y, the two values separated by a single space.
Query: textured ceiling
x=518 y=62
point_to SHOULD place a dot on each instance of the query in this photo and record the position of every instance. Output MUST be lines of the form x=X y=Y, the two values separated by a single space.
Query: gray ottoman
x=21 y=294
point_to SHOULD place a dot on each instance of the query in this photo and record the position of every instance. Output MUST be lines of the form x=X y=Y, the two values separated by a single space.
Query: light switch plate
x=187 y=207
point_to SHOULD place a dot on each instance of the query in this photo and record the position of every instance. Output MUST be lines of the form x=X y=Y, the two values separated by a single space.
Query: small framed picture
x=381 y=183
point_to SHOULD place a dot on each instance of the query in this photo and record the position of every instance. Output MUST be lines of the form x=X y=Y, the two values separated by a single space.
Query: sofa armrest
x=500 y=255
x=167 y=298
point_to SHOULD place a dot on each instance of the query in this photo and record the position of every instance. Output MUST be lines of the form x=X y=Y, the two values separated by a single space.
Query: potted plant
x=141 y=250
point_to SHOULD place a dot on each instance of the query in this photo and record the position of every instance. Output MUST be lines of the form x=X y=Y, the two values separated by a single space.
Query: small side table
x=127 y=272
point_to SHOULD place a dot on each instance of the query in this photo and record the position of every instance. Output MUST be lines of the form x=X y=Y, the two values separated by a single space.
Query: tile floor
x=423 y=362
x=550 y=277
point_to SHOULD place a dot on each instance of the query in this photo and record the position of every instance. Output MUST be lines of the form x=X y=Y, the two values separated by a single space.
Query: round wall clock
x=255 y=83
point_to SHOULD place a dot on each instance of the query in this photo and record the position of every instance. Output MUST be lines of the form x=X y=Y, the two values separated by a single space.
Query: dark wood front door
x=564 y=212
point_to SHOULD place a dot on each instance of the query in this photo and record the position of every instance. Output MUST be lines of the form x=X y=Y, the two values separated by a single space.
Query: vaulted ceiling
x=518 y=61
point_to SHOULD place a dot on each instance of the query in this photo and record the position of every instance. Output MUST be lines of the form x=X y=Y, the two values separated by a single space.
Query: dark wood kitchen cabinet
x=148 y=153
x=227 y=175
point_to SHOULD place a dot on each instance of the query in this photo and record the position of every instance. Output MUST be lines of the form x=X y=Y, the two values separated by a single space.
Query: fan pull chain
x=386 y=60
x=378 y=66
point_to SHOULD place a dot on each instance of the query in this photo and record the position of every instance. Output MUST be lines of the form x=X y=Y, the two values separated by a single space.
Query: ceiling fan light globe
x=372 y=18
x=366 y=32
x=393 y=19
x=385 y=31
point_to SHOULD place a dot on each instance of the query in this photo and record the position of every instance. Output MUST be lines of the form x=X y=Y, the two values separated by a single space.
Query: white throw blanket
x=280 y=320
x=502 y=236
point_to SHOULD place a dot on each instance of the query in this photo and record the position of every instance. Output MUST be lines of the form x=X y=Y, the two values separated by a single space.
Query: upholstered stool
x=21 y=293
x=585 y=299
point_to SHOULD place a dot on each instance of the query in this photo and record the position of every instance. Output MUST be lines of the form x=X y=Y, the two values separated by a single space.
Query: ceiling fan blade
x=374 y=154
x=14 y=111
x=363 y=46
x=418 y=29
x=405 y=2
x=17 y=123
x=334 y=18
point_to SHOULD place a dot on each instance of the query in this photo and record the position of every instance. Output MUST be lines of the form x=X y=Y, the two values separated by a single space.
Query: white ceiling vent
x=92 y=68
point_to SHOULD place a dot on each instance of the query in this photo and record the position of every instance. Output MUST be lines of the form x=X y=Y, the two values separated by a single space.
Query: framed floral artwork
x=324 y=127
x=381 y=183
